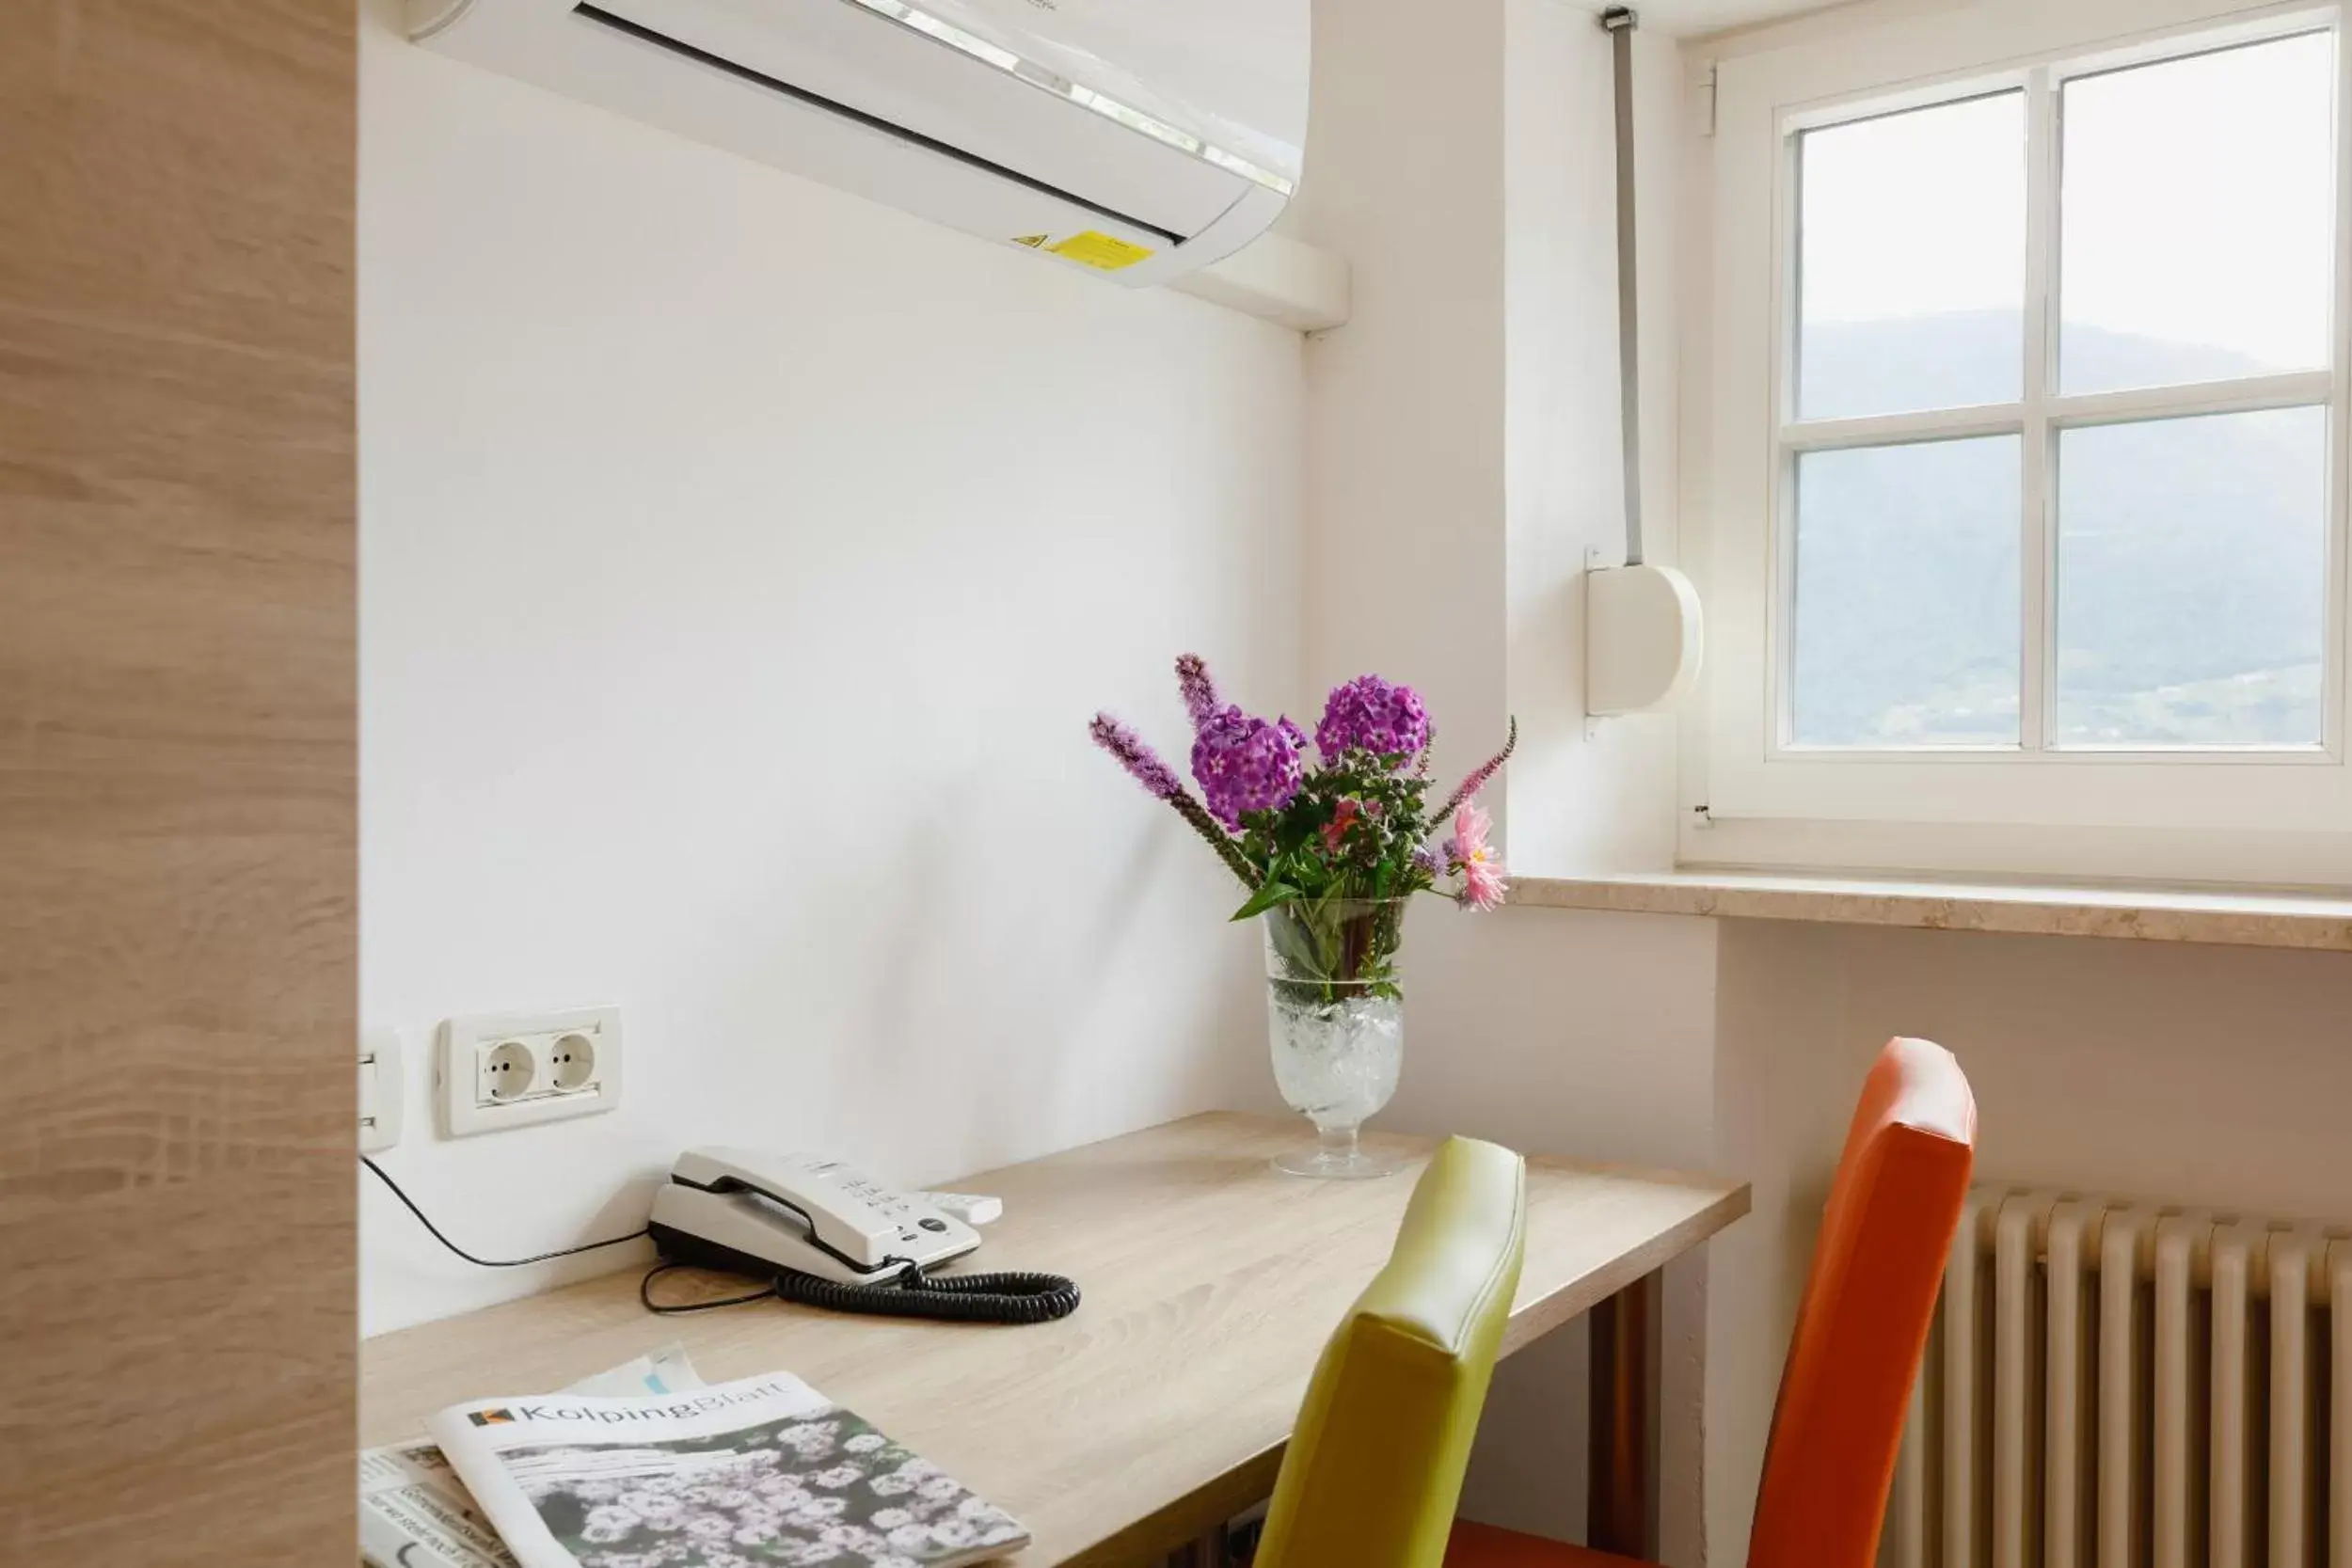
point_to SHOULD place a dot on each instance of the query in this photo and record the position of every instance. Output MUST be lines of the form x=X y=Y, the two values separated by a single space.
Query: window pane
x=2199 y=219
x=2192 y=566
x=1907 y=598
x=1912 y=261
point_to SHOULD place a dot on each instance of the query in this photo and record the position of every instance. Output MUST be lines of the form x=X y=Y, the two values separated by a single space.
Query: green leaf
x=1265 y=898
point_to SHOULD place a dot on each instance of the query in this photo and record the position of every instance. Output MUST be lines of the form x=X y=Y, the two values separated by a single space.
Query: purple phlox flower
x=1292 y=733
x=1200 y=698
x=1244 y=765
x=1369 y=714
x=1142 y=762
x=1160 y=779
x=1468 y=789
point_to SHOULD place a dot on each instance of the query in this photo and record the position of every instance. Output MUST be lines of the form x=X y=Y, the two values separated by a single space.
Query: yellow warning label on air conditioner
x=1032 y=241
x=1094 y=249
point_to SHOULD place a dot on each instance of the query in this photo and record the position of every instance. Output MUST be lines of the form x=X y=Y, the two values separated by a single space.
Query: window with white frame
x=2027 y=501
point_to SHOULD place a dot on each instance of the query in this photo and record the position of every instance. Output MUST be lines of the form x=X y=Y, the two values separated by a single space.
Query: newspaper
x=762 y=1471
x=414 y=1513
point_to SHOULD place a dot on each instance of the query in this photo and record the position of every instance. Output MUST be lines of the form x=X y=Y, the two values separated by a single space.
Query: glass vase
x=1335 y=1019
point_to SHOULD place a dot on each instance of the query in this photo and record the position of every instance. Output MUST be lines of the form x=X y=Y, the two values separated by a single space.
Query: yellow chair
x=1374 y=1465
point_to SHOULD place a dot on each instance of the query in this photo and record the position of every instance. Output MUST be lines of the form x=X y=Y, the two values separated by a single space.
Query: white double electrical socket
x=510 y=1069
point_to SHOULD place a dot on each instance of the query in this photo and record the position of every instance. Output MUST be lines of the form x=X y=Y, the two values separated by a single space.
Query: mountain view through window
x=2180 y=448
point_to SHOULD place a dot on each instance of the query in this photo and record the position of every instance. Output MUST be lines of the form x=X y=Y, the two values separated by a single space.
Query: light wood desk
x=1161 y=1406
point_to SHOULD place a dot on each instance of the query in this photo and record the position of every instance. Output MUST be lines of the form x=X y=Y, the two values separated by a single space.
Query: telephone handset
x=750 y=1213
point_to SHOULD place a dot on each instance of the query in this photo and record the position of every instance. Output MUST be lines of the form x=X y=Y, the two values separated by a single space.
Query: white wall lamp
x=1642 y=635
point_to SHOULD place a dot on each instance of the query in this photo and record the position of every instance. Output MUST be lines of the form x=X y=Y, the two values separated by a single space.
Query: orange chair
x=1862 y=1326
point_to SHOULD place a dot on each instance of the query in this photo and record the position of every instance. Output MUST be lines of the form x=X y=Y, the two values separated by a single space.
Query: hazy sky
x=2197 y=204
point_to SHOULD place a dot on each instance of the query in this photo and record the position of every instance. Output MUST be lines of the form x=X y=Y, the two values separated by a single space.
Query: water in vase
x=1336 y=1062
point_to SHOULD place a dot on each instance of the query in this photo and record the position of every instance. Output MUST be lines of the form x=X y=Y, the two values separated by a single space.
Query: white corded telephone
x=754 y=1214
x=821 y=1235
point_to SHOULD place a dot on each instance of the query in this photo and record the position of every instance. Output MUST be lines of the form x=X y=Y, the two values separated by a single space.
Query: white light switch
x=381 y=1090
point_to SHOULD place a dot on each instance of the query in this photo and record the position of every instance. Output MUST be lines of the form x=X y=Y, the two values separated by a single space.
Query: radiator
x=2112 y=1384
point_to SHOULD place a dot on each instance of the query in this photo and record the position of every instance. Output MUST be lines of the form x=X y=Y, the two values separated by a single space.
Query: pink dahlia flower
x=1483 y=881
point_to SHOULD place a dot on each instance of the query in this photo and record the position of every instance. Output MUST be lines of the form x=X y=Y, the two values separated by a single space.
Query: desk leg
x=1621 y=1456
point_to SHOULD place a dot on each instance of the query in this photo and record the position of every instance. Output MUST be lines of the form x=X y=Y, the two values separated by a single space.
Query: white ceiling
x=1684 y=18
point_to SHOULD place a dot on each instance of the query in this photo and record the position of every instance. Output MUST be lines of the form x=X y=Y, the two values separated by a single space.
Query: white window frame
x=1759 y=799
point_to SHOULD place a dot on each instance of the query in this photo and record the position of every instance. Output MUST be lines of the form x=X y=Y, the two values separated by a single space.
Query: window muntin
x=2211 y=359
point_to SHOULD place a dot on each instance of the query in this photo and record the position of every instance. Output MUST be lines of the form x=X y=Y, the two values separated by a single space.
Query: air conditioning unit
x=1138 y=139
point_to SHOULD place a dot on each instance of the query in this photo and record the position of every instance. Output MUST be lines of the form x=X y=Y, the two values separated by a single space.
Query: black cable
x=970 y=1298
x=904 y=1290
x=644 y=1294
x=410 y=1204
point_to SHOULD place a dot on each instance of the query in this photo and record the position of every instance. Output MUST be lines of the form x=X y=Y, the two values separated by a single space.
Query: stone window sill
x=2247 y=917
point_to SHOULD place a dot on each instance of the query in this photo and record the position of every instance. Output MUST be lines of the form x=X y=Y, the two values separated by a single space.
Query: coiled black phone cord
x=1012 y=1297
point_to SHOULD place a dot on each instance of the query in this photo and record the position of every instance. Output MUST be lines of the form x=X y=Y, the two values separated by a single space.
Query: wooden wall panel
x=177 y=782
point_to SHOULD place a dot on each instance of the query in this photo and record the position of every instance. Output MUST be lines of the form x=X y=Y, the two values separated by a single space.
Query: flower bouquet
x=1330 y=851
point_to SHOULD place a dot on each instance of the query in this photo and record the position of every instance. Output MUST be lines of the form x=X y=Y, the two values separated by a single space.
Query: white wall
x=1462 y=454
x=1405 y=413
x=1602 y=802
x=741 y=564
x=1463 y=444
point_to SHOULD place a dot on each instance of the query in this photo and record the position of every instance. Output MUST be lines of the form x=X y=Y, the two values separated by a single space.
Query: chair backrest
x=1374 y=1465
x=1901 y=1186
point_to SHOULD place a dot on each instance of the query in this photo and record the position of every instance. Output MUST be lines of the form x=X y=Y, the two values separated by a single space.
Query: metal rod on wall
x=1621 y=21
